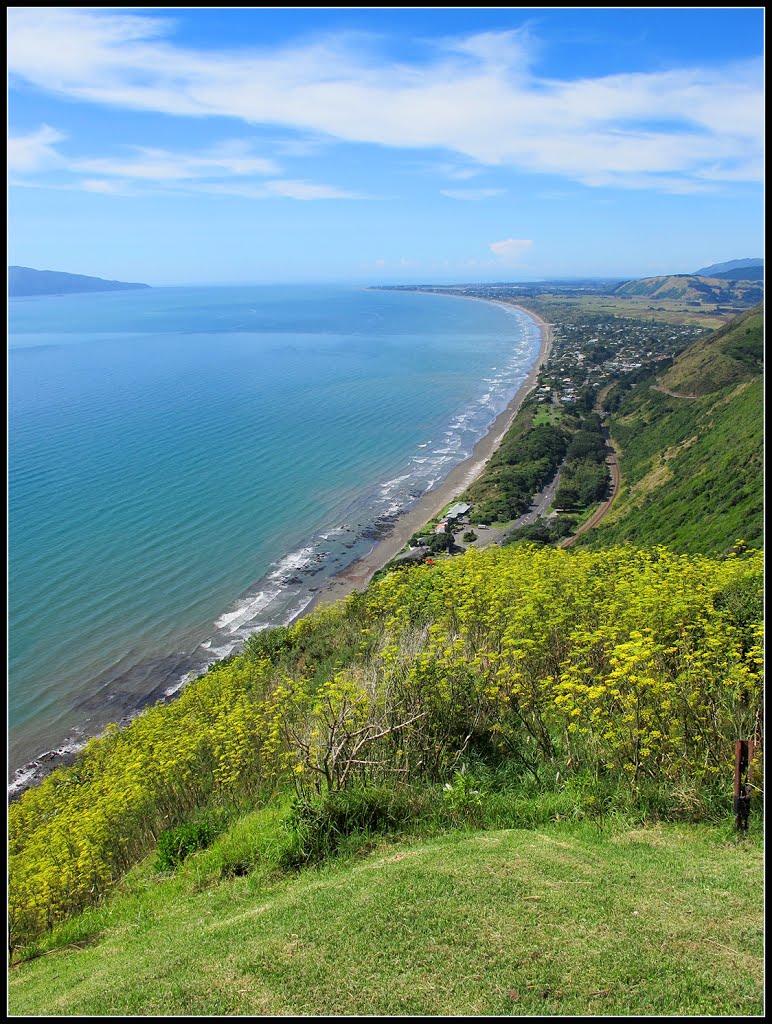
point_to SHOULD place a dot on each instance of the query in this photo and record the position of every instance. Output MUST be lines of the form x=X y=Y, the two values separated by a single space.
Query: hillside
x=26 y=281
x=690 y=444
x=731 y=355
x=748 y=274
x=734 y=267
x=494 y=784
x=693 y=289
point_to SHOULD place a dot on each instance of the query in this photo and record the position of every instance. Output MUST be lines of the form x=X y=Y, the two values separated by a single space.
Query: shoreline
x=357 y=575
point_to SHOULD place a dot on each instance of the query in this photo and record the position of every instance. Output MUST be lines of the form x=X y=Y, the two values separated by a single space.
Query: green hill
x=691 y=448
x=561 y=919
x=26 y=281
x=731 y=355
x=693 y=289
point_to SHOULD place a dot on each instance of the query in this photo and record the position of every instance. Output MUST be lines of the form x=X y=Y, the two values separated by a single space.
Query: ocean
x=189 y=465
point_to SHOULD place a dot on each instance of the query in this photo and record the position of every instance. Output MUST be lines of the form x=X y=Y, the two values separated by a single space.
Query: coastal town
x=589 y=353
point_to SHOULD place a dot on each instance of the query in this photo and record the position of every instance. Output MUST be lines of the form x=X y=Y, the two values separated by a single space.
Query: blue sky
x=259 y=145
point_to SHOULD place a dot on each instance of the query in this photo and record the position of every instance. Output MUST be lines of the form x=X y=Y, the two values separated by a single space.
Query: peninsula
x=26 y=281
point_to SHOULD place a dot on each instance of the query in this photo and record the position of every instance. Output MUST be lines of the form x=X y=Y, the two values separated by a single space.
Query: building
x=457 y=511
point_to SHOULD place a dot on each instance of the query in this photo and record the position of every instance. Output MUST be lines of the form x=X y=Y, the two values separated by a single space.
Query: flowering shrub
x=639 y=666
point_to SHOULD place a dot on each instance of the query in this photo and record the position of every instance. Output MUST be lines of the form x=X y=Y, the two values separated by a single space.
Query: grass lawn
x=565 y=919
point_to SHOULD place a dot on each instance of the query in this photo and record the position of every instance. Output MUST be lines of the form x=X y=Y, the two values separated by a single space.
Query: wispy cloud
x=34 y=152
x=227 y=159
x=471 y=193
x=510 y=250
x=229 y=168
x=476 y=97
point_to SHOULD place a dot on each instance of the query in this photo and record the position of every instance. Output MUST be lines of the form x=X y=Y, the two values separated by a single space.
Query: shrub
x=175 y=844
x=318 y=827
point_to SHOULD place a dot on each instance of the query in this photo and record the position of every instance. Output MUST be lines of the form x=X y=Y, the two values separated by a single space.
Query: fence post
x=743 y=755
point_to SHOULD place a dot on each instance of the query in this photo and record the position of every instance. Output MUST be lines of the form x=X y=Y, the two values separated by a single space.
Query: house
x=457 y=511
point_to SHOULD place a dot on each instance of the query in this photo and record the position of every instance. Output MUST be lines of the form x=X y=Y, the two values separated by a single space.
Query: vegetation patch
x=633 y=669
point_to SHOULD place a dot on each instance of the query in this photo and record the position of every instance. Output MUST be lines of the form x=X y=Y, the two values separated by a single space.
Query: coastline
x=357 y=575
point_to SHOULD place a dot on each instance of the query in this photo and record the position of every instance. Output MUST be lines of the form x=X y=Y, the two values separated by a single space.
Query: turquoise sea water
x=189 y=465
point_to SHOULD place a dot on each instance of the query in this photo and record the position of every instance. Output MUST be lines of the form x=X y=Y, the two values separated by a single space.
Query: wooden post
x=743 y=755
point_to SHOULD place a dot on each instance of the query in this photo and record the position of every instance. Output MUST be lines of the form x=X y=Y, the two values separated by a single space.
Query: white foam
x=247 y=610
x=390 y=485
x=292 y=562
x=23 y=776
x=337 y=532
x=298 y=609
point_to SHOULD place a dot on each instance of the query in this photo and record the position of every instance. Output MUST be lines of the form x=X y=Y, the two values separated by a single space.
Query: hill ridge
x=28 y=281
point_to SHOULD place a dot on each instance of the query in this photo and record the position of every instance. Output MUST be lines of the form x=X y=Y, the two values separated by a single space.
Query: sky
x=194 y=145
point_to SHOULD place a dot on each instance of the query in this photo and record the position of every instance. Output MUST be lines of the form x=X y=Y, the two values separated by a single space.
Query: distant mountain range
x=26 y=281
x=736 y=270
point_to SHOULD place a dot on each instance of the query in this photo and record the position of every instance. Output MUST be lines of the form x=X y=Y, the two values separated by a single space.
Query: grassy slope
x=728 y=356
x=565 y=919
x=692 y=468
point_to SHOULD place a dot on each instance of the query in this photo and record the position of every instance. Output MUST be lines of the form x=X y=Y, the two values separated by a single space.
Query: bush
x=318 y=827
x=441 y=542
x=175 y=844
x=470 y=536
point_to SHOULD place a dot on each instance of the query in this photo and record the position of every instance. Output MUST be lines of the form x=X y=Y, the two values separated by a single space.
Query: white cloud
x=471 y=193
x=279 y=188
x=163 y=165
x=109 y=188
x=34 y=152
x=157 y=170
x=510 y=249
x=477 y=97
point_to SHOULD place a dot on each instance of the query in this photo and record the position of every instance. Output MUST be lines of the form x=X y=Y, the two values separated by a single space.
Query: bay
x=188 y=465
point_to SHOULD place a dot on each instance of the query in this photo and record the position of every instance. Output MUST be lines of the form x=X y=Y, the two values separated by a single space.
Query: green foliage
x=587 y=444
x=640 y=667
x=526 y=461
x=318 y=827
x=175 y=844
x=441 y=542
x=582 y=483
x=463 y=796
x=692 y=471
x=470 y=536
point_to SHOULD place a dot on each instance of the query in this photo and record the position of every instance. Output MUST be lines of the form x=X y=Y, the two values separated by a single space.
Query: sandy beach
x=359 y=573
